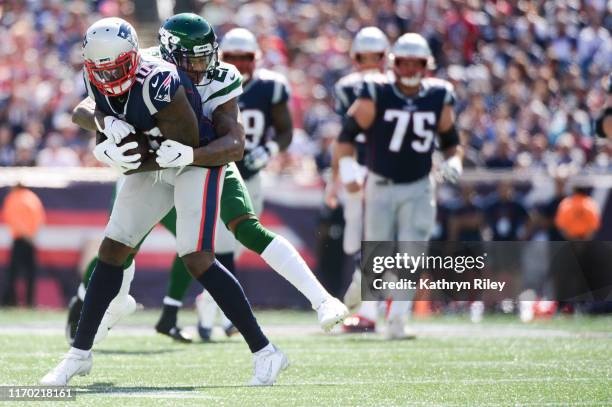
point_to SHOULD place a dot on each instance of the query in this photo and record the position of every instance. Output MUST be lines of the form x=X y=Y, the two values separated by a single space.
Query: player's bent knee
x=113 y=252
x=198 y=262
x=253 y=235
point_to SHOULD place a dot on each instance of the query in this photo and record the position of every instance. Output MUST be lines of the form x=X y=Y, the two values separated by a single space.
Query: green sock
x=253 y=235
x=180 y=279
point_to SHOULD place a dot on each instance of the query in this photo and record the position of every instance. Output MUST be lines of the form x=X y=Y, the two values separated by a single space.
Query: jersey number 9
x=253 y=122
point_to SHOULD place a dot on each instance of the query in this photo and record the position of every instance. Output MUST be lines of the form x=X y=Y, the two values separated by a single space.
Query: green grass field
x=566 y=361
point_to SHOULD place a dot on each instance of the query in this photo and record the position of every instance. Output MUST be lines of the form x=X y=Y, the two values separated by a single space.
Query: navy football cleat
x=175 y=333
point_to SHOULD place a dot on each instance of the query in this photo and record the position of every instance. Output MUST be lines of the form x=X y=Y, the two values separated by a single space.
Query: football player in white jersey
x=268 y=130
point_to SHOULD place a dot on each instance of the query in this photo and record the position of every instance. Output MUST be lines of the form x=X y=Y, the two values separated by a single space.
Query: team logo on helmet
x=169 y=40
x=125 y=32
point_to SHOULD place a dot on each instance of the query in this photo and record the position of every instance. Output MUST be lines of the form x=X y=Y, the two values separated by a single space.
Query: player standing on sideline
x=264 y=111
x=400 y=116
x=151 y=94
x=368 y=52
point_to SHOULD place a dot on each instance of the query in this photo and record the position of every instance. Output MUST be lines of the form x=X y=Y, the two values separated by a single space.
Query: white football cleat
x=331 y=312
x=207 y=314
x=118 y=308
x=268 y=363
x=396 y=330
x=72 y=364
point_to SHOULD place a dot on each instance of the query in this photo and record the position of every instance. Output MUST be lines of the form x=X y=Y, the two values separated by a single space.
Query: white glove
x=258 y=157
x=109 y=153
x=174 y=154
x=115 y=129
x=451 y=169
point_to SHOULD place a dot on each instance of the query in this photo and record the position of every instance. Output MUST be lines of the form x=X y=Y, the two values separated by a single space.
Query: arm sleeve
x=159 y=89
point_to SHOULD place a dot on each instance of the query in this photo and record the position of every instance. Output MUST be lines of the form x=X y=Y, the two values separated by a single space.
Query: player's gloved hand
x=109 y=153
x=258 y=157
x=174 y=154
x=115 y=129
x=451 y=169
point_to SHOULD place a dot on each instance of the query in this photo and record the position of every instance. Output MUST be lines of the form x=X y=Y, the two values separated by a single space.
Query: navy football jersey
x=346 y=91
x=401 y=140
x=265 y=90
x=156 y=84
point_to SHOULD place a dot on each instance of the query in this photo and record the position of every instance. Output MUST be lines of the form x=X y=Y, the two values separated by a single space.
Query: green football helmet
x=189 y=41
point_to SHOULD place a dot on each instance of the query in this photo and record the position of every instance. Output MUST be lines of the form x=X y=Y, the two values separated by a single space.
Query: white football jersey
x=225 y=84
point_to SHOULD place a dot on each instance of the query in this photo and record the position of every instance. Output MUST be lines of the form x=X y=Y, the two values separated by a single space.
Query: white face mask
x=411 y=81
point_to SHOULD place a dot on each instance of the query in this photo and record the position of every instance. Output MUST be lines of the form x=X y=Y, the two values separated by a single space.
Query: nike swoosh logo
x=233 y=76
x=154 y=83
x=176 y=158
x=106 y=154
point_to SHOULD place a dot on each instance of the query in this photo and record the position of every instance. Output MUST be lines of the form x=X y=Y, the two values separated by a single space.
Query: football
x=143 y=148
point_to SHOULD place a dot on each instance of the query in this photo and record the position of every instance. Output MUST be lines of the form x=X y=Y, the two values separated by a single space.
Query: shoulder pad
x=224 y=74
x=437 y=84
x=281 y=91
x=350 y=80
x=225 y=84
x=159 y=87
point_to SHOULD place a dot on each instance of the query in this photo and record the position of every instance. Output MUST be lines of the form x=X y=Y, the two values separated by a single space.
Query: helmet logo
x=125 y=32
x=167 y=39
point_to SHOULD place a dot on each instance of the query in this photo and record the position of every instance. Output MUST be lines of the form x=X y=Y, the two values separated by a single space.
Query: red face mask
x=245 y=63
x=114 y=78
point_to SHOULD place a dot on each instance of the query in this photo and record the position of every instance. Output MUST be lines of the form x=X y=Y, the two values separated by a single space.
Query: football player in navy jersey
x=184 y=32
x=400 y=115
x=264 y=106
x=131 y=92
x=369 y=55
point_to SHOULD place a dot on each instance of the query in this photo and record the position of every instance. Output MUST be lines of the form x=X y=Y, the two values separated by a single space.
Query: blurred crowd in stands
x=529 y=75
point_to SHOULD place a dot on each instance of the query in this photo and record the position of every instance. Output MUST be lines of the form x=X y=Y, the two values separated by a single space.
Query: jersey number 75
x=422 y=144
